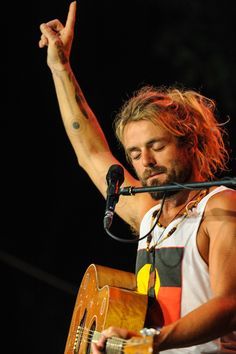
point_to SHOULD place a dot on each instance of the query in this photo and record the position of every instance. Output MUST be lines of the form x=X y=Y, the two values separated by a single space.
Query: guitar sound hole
x=92 y=329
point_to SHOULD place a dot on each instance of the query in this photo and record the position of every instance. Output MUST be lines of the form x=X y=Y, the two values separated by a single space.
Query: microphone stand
x=177 y=186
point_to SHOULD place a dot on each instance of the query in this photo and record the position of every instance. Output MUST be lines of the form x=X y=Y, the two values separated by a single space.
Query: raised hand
x=58 y=38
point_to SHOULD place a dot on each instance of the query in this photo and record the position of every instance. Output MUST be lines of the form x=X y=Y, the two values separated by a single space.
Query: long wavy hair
x=187 y=115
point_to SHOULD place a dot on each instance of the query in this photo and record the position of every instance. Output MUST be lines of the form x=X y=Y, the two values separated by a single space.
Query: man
x=188 y=262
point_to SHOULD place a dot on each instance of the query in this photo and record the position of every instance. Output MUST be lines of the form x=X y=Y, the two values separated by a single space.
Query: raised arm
x=82 y=127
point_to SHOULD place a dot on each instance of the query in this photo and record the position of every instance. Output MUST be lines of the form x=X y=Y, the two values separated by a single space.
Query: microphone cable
x=125 y=240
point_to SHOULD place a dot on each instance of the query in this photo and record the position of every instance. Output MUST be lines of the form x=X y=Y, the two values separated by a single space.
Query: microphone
x=114 y=177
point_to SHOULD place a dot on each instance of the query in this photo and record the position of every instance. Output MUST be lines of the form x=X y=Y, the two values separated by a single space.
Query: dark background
x=52 y=224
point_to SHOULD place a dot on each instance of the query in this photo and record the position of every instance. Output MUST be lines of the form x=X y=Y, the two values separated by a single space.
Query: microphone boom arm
x=177 y=186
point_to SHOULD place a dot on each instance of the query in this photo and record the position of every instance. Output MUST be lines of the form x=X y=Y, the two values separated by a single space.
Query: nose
x=148 y=158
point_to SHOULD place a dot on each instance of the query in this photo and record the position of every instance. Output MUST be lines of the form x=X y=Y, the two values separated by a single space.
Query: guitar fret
x=115 y=345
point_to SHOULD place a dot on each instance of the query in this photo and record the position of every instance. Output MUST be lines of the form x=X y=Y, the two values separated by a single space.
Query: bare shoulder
x=216 y=235
x=222 y=201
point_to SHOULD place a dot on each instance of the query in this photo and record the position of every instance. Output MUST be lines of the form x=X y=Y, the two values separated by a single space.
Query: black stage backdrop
x=52 y=221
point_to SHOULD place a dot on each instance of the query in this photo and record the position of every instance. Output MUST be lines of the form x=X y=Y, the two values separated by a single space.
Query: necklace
x=187 y=212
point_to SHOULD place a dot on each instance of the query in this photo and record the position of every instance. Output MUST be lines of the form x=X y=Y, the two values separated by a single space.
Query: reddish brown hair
x=187 y=115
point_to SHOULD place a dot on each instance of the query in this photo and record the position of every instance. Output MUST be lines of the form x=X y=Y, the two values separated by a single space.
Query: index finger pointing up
x=70 y=21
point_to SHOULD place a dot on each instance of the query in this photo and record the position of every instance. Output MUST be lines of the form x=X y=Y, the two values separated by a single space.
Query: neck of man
x=176 y=202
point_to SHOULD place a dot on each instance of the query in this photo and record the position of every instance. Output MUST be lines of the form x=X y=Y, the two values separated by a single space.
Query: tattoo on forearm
x=75 y=125
x=79 y=96
x=79 y=99
x=81 y=102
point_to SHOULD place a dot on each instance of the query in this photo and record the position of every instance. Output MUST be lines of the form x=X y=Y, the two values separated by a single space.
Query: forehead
x=141 y=132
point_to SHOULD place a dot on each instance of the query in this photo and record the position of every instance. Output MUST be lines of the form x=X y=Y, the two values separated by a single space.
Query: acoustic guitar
x=107 y=297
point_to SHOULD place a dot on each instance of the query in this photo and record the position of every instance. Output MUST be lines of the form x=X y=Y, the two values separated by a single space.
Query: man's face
x=156 y=156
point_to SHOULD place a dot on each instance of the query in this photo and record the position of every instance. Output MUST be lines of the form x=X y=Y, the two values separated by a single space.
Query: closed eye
x=156 y=145
x=158 y=148
x=135 y=155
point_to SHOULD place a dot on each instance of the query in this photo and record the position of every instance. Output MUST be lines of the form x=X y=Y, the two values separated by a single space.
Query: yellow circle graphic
x=144 y=282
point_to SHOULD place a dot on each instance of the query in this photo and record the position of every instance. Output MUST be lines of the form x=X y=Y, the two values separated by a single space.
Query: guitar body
x=106 y=297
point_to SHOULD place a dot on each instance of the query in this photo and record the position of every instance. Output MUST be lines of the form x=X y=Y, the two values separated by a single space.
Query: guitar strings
x=90 y=334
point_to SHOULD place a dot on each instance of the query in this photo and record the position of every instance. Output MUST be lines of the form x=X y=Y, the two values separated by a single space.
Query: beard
x=177 y=174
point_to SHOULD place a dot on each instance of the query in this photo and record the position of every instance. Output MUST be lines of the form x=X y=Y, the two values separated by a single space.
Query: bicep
x=222 y=251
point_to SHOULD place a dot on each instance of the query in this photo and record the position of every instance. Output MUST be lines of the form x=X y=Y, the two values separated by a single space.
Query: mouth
x=154 y=176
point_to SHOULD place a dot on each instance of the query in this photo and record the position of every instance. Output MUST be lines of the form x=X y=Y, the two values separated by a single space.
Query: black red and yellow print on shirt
x=159 y=276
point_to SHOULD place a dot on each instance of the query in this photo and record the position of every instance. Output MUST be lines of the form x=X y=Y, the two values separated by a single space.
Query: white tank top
x=181 y=275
